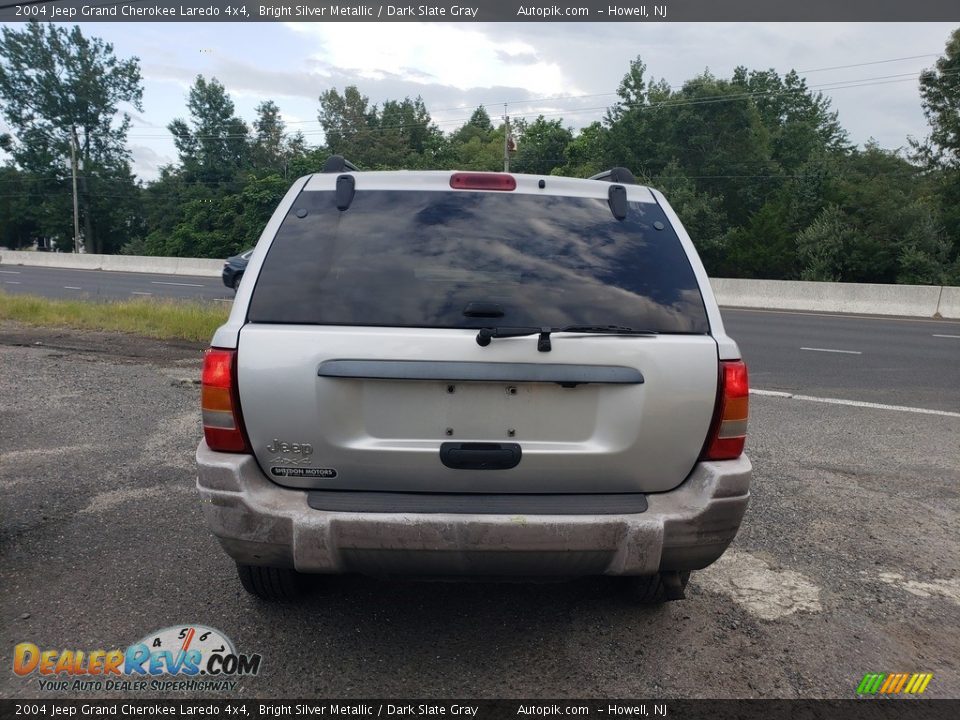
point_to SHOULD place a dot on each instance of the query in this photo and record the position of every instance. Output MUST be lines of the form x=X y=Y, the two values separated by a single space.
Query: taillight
x=482 y=181
x=728 y=432
x=220 y=402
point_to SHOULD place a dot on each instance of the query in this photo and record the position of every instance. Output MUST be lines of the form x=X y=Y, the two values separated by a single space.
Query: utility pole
x=76 y=213
x=506 y=139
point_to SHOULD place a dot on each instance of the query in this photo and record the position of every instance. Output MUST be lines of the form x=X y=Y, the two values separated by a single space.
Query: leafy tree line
x=756 y=165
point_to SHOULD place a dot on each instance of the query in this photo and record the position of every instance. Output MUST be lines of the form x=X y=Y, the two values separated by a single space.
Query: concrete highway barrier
x=949 y=306
x=118 y=263
x=859 y=298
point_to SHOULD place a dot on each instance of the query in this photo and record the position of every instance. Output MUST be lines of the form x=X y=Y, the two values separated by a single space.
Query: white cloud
x=146 y=162
x=455 y=67
x=445 y=54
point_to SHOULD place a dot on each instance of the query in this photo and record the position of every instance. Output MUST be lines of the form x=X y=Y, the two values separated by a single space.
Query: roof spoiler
x=339 y=164
x=616 y=175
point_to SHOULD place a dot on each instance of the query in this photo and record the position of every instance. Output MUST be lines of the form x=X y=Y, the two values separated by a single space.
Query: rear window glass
x=419 y=258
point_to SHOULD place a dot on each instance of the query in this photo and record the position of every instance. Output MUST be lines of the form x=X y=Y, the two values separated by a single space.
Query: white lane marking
x=944 y=587
x=71 y=287
x=13 y=282
x=137 y=292
x=767 y=593
x=947 y=336
x=10 y=272
x=223 y=299
x=845 y=352
x=157 y=282
x=893 y=318
x=855 y=403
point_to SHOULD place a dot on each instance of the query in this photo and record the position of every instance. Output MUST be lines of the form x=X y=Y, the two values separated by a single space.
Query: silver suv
x=461 y=373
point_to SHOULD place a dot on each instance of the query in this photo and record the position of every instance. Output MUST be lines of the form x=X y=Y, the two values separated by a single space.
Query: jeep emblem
x=294 y=448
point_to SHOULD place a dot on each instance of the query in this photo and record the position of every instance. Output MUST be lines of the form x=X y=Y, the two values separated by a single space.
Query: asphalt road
x=897 y=361
x=104 y=285
x=848 y=561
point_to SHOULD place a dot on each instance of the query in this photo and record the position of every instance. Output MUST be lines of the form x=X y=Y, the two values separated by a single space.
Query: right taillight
x=728 y=432
x=220 y=403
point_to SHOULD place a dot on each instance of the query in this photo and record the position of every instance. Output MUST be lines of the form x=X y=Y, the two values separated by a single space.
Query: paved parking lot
x=847 y=563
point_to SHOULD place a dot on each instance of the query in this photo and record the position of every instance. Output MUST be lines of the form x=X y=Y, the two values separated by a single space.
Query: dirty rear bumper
x=260 y=523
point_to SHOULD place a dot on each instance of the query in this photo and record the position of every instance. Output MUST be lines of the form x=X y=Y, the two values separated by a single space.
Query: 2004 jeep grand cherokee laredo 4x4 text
x=460 y=373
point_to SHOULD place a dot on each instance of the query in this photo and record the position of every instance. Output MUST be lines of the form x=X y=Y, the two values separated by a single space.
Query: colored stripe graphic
x=894 y=683
x=870 y=683
x=901 y=682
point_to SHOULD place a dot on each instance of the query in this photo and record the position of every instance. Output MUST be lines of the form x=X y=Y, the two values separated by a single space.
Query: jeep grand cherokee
x=483 y=374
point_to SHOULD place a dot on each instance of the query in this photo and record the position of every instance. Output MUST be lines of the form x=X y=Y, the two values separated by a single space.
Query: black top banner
x=621 y=11
x=248 y=709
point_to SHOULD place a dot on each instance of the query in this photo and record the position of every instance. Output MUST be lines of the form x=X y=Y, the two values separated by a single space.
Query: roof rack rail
x=337 y=164
x=616 y=175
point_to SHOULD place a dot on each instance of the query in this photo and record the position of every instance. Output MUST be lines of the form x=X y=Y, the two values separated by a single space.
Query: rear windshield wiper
x=543 y=343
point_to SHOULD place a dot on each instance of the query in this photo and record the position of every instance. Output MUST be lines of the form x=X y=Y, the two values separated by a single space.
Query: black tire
x=236 y=282
x=270 y=583
x=651 y=589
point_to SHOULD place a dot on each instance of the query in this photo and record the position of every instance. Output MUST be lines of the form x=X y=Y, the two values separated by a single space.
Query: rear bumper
x=260 y=523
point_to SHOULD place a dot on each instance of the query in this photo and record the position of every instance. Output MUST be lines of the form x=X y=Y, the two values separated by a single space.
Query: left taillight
x=220 y=402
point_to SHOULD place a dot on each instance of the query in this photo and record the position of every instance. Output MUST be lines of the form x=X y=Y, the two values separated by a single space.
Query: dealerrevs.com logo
x=184 y=657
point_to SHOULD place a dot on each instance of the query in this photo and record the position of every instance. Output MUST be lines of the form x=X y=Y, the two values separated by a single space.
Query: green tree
x=762 y=247
x=19 y=196
x=925 y=253
x=408 y=135
x=477 y=145
x=213 y=147
x=940 y=152
x=218 y=225
x=268 y=151
x=823 y=247
x=62 y=93
x=478 y=126
x=701 y=214
x=940 y=96
x=541 y=146
x=799 y=122
x=585 y=154
x=349 y=124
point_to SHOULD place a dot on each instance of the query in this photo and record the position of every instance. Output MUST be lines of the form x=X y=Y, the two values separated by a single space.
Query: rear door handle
x=480 y=456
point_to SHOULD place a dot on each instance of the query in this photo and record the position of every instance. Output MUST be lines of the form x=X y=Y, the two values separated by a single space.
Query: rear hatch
x=360 y=367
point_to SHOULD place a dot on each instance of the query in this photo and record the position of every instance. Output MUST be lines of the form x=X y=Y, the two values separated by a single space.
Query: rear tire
x=270 y=583
x=657 y=589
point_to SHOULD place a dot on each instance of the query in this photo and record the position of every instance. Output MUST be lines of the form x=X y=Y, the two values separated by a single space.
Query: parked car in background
x=473 y=374
x=234 y=268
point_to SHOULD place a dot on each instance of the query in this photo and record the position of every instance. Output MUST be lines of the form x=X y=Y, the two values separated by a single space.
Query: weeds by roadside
x=164 y=319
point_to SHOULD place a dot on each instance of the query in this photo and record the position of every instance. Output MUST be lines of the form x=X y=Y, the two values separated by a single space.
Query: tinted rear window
x=417 y=259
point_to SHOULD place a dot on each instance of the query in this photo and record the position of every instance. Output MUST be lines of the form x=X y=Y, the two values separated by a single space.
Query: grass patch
x=164 y=319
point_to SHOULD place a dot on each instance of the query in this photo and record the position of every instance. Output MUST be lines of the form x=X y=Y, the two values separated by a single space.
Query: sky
x=561 y=70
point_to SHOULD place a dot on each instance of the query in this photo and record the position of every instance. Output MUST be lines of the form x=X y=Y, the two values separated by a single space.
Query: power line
x=832 y=85
x=874 y=62
x=679 y=102
x=672 y=86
